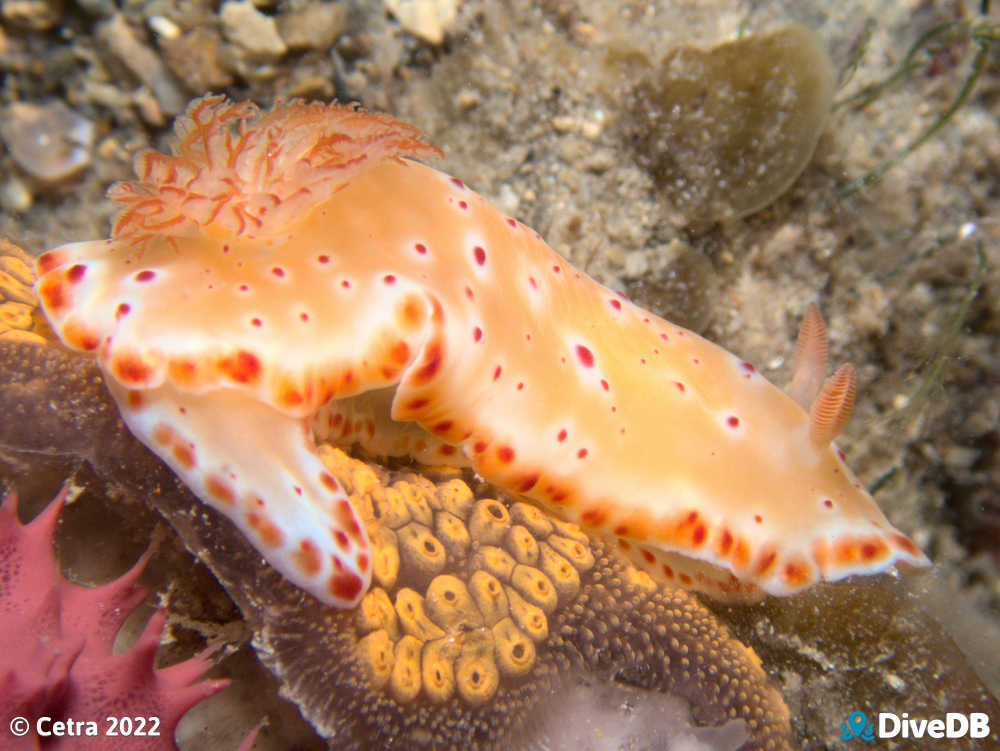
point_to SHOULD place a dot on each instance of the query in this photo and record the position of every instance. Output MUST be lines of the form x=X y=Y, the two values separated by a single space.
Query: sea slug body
x=293 y=275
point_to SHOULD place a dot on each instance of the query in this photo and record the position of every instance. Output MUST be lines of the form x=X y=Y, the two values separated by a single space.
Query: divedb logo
x=891 y=725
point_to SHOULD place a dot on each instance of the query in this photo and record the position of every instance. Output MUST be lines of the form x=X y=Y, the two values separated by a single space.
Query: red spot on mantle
x=480 y=253
x=341 y=539
x=329 y=481
x=585 y=356
x=76 y=272
x=345 y=586
x=145 y=276
x=527 y=483
x=345 y=516
x=726 y=542
x=243 y=367
x=48 y=261
x=505 y=454
x=594 y=517
x=432 y=363
x=765 y=562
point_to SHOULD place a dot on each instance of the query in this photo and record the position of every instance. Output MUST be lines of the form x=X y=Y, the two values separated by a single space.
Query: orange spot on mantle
x=269 y=534
x=306 y=557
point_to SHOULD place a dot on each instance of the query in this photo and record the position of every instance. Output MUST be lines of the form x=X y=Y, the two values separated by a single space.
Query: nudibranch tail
x=260 y=468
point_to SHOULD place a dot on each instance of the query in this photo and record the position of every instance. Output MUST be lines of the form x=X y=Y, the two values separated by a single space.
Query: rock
x=37 y=15
x=48 y=141
x=144 y=62
x=314 y=26
x=250 y=29
x=15 y=196
x=194 y=58
x=427 y=19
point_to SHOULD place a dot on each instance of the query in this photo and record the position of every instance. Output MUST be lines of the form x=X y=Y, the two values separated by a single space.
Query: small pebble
x=314 y=26
x=467 y=99
x=164 y=27
x=429 y=20
x=563 y=124
x=194 y=58
x=145 y=64
x=250 y=29
x=37 y=15
x=15 y=196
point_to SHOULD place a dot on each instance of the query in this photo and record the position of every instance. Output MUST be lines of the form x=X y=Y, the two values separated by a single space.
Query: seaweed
x=922 y=54
x=933 y=371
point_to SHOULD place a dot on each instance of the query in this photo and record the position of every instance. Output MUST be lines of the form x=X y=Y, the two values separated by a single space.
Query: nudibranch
x=294 y=275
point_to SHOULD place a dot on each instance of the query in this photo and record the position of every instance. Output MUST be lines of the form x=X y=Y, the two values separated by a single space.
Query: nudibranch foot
x=366 y=420
x=260 y=468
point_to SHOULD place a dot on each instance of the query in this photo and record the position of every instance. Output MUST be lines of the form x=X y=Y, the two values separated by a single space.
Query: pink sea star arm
x=259 y=467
